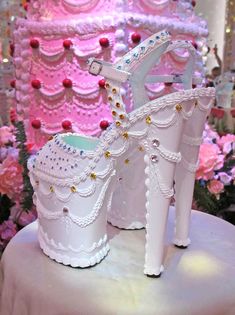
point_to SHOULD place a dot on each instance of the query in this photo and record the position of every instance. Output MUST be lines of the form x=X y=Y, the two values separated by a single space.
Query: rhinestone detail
x=154 y=158
x=155 y=143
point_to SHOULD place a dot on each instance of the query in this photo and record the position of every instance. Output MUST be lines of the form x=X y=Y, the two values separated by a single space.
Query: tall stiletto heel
x=185 y=171
x=74 y=176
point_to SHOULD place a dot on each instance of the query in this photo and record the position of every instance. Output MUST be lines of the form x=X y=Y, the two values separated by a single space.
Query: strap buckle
x=95 y=67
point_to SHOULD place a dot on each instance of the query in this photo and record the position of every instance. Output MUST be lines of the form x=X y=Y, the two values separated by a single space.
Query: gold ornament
x=107 y=154
x=73 y=189
x=51 y=189
x=93 y=176
x=178 y=107
x=125 y=135
x=148 y=120
x=118 y=124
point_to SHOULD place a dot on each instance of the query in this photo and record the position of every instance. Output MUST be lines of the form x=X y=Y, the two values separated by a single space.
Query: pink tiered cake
x=54 y=91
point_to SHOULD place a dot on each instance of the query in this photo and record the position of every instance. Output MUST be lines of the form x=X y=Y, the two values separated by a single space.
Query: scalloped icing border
x=73 y=261
x=86 y=26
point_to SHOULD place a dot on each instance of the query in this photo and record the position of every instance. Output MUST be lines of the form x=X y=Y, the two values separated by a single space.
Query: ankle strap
x=105 y=69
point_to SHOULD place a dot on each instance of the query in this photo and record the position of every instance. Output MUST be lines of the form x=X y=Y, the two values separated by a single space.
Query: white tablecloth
x=198 y=280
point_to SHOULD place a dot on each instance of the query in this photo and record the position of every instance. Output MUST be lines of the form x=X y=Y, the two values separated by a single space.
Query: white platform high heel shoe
x=74 y=176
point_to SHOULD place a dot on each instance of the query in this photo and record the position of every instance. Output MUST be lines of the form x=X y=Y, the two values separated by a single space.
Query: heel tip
x=181 y=246
x=154 y=276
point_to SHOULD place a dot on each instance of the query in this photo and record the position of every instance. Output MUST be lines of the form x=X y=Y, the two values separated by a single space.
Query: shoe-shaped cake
x=74 y=176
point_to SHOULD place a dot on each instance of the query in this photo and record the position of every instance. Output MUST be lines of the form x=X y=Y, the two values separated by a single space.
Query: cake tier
x=53 y=88
x=60 y=9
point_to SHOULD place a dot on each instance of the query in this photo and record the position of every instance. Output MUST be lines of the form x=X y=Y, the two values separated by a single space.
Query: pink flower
x=27 y=217
x=224 y=178
x=7 y=230
x=226 y=143
x=11 y=181
x=215 y=187
x=209 y=134
x=233 y=172
x=6 y=135
x=210 y=160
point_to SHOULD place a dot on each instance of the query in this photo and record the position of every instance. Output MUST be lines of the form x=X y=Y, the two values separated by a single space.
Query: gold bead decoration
x=118 y=124
x=178 y=107
x=107 y=154
x=122 y=116
x=73 y=189
x=141 y=149
x=125 y=135
x=127 y=161
x=107 y=85
x=50 y=138
x=114 y=113
x=114 y=91
x=148 y=120
x=110 y=98
x=93 y=176
x=51 y=189
x=118 y=105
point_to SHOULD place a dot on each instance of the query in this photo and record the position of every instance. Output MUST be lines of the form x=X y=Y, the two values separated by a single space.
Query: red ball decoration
x=104 y=42
x=13 y=115
x=25 y=6
x=13 y=83
x=168 y=84
x=102 y=83
x=67 y=125
x=104 y=124
x=194 y=44
x=36 y=84
x=67 y=83
x=12 y=49
x=233 y=112
x=67 y=43
x=136 y=38
x=194 y=3
x=36 y=124
x=34 y=43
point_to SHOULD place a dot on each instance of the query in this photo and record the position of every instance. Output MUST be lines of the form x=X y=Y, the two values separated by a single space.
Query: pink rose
x=7 y=230
x=215 y=187
x=11 y=181
x=226 y=143
x=209 y=134
x=27 y=217
x=210 y=159
x=6 y=135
